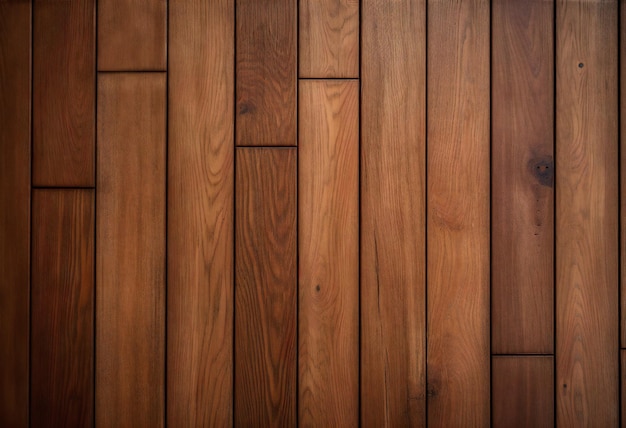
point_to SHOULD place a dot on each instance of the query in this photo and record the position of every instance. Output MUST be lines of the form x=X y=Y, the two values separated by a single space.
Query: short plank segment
x=265 y=290
x=458 y=213
x=130 y=240
x=393 y=330
x=587 y=214
x=200 y=214
x=328 y=222
x=62 y=308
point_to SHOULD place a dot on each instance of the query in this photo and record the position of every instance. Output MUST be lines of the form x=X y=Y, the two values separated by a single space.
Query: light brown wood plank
x=62 y=323
x=200 y=214
x=393 y=390
x=329 y=38
x=266 y=284
x=266 y=72
x=458 y=213
x=328 y=222
x=130 y=249
x=587 y=214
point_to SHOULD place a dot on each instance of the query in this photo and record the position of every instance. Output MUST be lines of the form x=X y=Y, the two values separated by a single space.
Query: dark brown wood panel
x=62 y=308
x=328 y=234
x=130 y=245
x=587 y=214
x=266 y=72
x=64 y=93
x=458 y=213
x=266 y=287
x=200 y=214
x=622 y=77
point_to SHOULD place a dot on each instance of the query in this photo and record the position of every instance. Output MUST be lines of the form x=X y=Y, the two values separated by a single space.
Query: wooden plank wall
x=312 y=212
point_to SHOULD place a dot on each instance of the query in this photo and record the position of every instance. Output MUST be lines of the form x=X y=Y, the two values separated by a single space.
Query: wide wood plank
x=132 y=35
x=62 y=308
x=458 y=213
x=265 y=290
x=266 y=72
x=523 y=392
x=200 y=214
x=393 y=329
x=15 y=90
x=64 y=88
x=328 y=224
x=329 y=38
x=587 y=214
x=130 y=245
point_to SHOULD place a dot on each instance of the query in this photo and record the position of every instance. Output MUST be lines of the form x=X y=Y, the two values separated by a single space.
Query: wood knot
x=246 y=108
x=542 y=168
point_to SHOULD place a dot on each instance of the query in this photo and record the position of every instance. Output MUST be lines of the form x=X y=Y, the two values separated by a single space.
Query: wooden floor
x=329 y=213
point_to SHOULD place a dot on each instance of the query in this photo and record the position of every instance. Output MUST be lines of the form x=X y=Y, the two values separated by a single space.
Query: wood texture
x=329 y=38
x=328 y=222
x=266 y=72
x=265 y=290
x=458 y=213
x=132 y=35
x=64 y=93
x=393 y=213
x=623 y=385
x=15 y=90
x=130 y=245
x=62 y=308
x=622 y=77
x=200 y=214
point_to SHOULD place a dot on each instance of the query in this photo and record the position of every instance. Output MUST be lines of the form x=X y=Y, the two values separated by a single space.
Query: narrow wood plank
x=523 y=392
x=130 y=248
x=64 y=93
x=623 y=385
x=328 y=223
x=622 y=76
x=393 y=390
x=458 y=213
x=200 y=214
x=62 y=308
x=522 y=177
x=132 y=35
x=266 y=283
x=329 y=38
x=266 y=72
x=15 y=90
x=587 y=214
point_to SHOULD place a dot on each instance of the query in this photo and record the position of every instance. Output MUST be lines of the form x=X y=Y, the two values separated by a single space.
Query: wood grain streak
x=622 y=95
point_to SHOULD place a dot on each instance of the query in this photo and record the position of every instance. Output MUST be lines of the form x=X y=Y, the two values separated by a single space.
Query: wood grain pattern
x=622 y=131
x=15 y=90
x=393 y=390
x=266 y=72
x=328 y=222
x=329 y=38
x=64 y=93
x=62 y=308
x=458 y=213
x=523 y=392
x=130 y=245
x=587 y=214
x=523 y=177
x=265 y=290
x=200 y=214
x=132 y=35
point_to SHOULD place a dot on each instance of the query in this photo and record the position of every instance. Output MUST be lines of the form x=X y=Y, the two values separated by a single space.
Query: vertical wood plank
x=393 y=169
x=587 y=214
x=523 y=392
x=523 y=177
x=458 y=213
x=132 y=35
x=623 y=385
x=130 y=245
x=62 y=308
x=64 y=93
x=328 y=222
x=266 y=72
x=15 y=90
x=622 y=131
x=329 y=38
x=200 y=214
x=265 y=293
